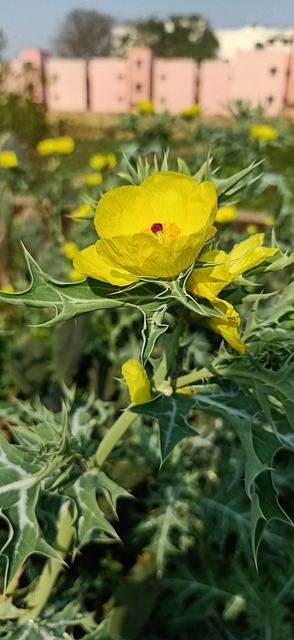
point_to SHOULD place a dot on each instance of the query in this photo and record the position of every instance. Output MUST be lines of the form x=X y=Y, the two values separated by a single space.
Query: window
x=120 y=76
x=273 y=71
x=258 y=45
x=270 y=99
x=162 y=100
x=138 y=88
x=162 y=77
x=139 y=64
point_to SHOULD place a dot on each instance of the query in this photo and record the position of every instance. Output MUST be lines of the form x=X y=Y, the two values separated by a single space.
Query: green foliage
x=177 y=36
x=210 y=468
x=24 y=117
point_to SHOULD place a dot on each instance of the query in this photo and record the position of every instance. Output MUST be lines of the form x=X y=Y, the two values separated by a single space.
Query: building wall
x=140 y=74
x=290 y=81
x=174 y=84
x=113 y=85
x=66 y=84
x=215 y=87
x=261 y=78
x=109 y=90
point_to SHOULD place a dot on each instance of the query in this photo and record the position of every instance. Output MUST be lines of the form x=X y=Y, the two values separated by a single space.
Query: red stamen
x=157 y=227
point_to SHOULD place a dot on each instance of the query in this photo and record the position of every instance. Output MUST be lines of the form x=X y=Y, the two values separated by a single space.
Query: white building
x=249 y=38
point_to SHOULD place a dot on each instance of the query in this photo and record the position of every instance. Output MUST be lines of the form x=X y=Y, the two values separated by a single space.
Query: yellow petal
x=143 y=255
x=165 y=198
x=90 y=264
x=137 y=381
x=248 y=254
x=74 y=276
x=227 y=326
x=207 y=282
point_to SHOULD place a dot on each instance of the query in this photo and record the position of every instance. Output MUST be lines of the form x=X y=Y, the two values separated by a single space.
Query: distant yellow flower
x=8 y=159
x=208 y=281
x=70 y=249
x=98 y=161
x=74 y=276
x=192 y=111
x=81 y=212
x=64 y=145
x=102 y=160
x=93 y=179
x=263 y=132
x=226 y=214
x=251 y=228
x=137 y=381
x=111 y=160
x=145 y=106
x=8 y=288
x=153 y=230
x=269 y=221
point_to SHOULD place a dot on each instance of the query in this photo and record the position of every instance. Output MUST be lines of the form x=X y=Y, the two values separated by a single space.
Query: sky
x=34 y=23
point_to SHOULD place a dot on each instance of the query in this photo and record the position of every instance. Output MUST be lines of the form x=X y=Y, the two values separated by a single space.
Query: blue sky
x=34 y=23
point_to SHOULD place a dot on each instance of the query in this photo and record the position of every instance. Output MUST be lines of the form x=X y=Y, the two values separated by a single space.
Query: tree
x=178 y=36
x=84 y=34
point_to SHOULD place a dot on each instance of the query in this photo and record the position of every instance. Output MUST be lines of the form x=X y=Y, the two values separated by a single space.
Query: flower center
x=157 y=227
x=164 y=233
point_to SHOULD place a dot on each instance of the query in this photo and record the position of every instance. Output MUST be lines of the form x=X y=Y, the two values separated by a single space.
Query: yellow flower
x=98 y=161
x=226 y=214
x=111 y=160
x=8 y=159
x=137 y=381
x=155 y=230
x=145 y=106
x=263 y=132
x=102 y=160
x=191 y=112
x=208 y=281
x=64 y=145
x=227 y=326
x=81 y=212
x=70 y=249
x=269 y=221
x=8 y=288
x=251 y=228
x=74 y=276
x=93 y=179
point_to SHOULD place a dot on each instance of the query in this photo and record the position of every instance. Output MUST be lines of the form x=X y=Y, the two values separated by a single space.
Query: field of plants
x=147 y=377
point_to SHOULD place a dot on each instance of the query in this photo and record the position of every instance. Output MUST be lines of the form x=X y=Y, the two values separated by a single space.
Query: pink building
x=140 y=74
x=261 y=78
x=66 y=85
x=113 y=85
x=290 y=81
x=174 y=84
x=33 y=63
x=109 y=87
x=215 y=87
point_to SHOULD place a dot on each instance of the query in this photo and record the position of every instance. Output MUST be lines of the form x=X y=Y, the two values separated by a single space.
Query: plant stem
x=38 y=597
x=112 y=436
x=193 y=376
